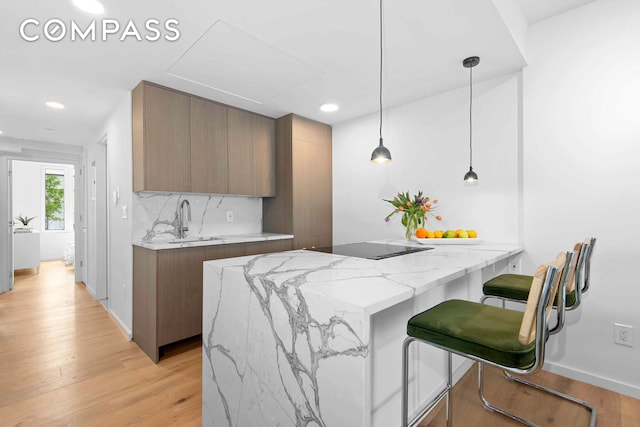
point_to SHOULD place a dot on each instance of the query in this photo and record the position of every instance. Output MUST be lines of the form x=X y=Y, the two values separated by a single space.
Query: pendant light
x=471 y=178
x=381 y=154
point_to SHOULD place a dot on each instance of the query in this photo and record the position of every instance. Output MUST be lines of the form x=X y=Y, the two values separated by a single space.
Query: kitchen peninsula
x=306 y=338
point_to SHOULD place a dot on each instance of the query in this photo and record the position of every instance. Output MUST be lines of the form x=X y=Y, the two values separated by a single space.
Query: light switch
x=116 y=195
x=124 y=212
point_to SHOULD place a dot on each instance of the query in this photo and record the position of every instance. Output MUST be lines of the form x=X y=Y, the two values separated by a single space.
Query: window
x=54 y=199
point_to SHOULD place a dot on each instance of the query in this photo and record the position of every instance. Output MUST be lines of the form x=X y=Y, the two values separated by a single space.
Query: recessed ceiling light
x=0 y=132
x=55 y=105
x=329 y=107
x=90 y=6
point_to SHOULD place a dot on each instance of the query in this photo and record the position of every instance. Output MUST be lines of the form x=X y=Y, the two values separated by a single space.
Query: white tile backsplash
x=155 y=215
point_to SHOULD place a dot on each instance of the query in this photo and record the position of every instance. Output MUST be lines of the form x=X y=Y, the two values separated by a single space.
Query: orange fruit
x=421 y=233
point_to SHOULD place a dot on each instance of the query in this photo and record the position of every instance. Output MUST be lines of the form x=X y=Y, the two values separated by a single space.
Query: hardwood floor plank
x=63 y=361
x=613 y=409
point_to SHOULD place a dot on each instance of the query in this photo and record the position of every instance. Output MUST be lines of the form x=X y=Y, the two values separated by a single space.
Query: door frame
x=6 y=251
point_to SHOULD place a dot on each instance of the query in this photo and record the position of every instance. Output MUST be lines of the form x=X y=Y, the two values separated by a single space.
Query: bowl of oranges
x=446 y=237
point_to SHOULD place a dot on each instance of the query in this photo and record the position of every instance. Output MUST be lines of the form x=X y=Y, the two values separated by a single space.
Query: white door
x=7 y=285
x=97 y=280
x=80 y=225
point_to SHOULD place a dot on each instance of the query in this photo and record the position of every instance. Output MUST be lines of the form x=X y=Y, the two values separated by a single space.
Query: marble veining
x=303 y=341
x=155 y=215
x=288 y=338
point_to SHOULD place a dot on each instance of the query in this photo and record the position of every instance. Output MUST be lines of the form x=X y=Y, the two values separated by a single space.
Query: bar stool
x=515 y=288
x=509 y=339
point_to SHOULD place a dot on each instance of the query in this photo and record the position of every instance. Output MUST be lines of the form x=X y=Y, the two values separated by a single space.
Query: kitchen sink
x=193 y=239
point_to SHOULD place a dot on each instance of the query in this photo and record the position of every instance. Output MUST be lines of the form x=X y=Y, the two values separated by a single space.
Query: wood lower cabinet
x=167 y=290
x=303 y=202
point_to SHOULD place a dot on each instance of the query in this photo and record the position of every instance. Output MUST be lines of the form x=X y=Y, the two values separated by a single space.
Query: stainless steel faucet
x=182 y=228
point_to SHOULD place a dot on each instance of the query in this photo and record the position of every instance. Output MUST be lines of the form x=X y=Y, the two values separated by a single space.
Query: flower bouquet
x=415 y=211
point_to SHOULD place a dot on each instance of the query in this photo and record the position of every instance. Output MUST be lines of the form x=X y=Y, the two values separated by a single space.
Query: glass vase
x=411 y=225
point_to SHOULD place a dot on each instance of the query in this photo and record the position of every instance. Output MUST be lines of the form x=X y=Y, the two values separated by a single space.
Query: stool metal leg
x=405 y=381
x=449 y=386
x=594 y=411
x=446 y=392
x=492 y=408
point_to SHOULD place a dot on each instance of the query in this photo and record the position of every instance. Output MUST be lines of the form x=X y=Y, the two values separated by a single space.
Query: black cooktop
x=370 y=250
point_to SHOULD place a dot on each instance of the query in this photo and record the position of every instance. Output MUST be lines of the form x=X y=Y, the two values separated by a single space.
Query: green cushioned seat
x=516 y=286
x=477 y=329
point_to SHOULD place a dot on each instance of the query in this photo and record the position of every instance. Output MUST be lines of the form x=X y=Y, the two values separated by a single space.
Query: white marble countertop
x=373 y=285
x=305 y=335
x=195 y=241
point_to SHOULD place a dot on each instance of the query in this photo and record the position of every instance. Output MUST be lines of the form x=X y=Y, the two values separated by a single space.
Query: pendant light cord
x=381 y=69
x=470 y=120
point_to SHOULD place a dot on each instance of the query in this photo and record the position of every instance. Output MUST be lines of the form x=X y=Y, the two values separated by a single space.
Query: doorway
x=43 y=212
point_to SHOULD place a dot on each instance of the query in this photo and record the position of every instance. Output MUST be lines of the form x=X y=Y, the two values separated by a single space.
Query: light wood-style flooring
x=64 y=362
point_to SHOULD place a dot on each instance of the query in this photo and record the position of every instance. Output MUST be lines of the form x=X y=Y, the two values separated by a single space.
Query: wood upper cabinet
x=161 y=139
x=303 y=202
x=251 y=154
x=208 y=147
x=264 y=156
x=184 y=143
x=240 y=151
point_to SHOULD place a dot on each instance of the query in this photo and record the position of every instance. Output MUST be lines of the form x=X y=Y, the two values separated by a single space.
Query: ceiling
x=269 y=56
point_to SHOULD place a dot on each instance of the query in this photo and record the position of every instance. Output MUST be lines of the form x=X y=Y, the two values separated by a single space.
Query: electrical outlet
x=623 y=334
x=229 y=216
x=514 y=266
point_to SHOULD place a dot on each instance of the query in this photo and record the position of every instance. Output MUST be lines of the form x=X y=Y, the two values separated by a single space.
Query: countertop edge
x=222 y=240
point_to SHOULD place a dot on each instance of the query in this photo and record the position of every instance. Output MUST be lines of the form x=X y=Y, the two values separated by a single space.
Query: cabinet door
x=268 y=246
x=167 y=152
x=312 y=184
x=179 y=293
x=225 y=251
x=208 y=147
x=264 y=156
x=144 y=301
x=240 y=152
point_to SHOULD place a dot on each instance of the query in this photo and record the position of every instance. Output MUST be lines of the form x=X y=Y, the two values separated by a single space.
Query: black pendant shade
x=381 y=154
x=470 y=176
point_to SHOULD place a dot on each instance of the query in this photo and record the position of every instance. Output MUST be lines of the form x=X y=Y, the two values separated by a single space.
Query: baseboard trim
x=125 y=331
x=596 y=380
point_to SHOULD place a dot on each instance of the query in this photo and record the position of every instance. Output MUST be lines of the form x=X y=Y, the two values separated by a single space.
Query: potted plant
x=24 y=220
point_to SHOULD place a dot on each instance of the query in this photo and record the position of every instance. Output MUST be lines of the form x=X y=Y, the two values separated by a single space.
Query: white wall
x=429 y=144
x=28 y=200
x=579 y=157
x=581 y=160
x=119 y=161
